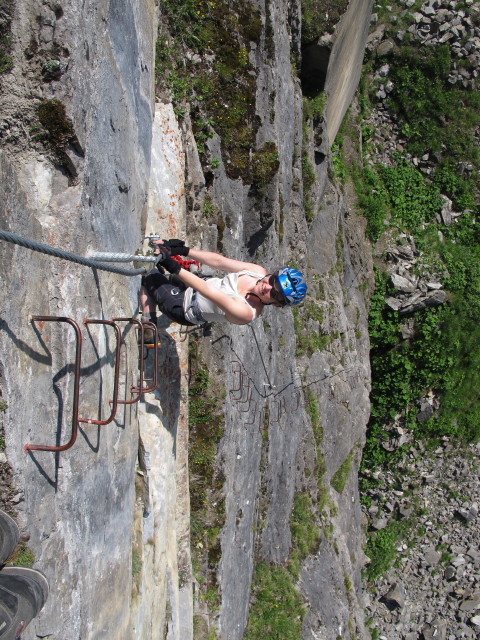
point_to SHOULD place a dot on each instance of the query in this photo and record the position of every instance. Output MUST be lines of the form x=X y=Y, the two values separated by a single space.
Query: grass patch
x=277 y=607
x=207 y=503
x=308 y=340
x=305 y=532
x=340 y=477
x=23 y=557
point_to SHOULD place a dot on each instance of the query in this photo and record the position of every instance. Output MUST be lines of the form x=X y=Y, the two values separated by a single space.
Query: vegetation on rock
x=202 y=62
x=6 y=15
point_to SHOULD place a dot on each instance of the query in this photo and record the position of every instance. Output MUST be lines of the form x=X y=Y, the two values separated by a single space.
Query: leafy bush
x=437 y=116
x=413 y=200
x=372 y=201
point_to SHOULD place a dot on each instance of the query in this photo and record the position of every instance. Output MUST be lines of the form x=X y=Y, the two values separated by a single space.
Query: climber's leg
x=167 y=296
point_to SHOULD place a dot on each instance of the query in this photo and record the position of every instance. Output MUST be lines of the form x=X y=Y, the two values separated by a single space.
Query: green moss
x=265 y=164
x=53 y=118
x=340 y=477
x=220 y=88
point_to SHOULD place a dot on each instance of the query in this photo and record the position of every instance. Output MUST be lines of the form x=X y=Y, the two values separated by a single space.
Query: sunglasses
x=274 y=293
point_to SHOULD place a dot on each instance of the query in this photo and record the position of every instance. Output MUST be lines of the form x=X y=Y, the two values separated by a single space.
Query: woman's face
x=269 y=292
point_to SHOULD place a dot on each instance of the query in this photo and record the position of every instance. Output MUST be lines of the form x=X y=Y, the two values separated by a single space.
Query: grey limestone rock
x=395 y=596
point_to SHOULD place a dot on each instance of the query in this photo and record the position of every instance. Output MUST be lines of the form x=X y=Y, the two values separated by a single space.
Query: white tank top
x=199 y=309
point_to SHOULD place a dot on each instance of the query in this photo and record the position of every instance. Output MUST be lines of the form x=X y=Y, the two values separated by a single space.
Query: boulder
x=395 y=597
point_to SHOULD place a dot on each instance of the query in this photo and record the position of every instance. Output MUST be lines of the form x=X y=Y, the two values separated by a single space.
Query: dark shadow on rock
x=315 y=60
x=23 y=346
x=258 y=238
x=52 y=482
x=94 y=447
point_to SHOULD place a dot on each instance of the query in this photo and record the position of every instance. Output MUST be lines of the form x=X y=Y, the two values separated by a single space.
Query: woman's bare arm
x=217 y=261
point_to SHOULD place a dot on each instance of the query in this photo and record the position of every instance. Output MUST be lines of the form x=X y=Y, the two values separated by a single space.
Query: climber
x=191 y=299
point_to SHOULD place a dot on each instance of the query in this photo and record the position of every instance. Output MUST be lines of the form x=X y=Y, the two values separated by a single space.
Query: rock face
x=81 y=508
x=268 y=453
x=117 y=554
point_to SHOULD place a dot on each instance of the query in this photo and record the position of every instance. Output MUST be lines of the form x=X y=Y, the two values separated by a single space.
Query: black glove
x=163 y=252
x=176 y=247
x=170 y=265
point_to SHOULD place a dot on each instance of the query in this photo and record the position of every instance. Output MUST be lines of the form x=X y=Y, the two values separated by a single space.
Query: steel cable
x=65 y=255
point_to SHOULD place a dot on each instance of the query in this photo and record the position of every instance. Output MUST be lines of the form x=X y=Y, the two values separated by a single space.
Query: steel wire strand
x=66 y=255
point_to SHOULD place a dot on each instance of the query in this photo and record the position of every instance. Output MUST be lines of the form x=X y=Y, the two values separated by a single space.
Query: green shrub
x=372 y=201
x=436 y=116
x=412 y=199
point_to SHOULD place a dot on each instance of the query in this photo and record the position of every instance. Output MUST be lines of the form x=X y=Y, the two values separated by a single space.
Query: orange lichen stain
x=41 y=324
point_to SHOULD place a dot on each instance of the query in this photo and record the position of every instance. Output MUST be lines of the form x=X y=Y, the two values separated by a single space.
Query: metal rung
x=78 y=356
x=155 y=344
x=134 y=389
x=116 y=375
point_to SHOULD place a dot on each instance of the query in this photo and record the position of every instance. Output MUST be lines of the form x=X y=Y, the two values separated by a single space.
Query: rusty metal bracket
x=116 y=375
x=153 y=380
x=247 y=399
x=237 y=368
x=295 y=400
x=243 y=377
x=76 y=385
x=280 y=411
x=135 y=389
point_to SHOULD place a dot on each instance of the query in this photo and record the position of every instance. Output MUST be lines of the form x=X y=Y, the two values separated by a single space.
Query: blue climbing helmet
x=292 y=283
